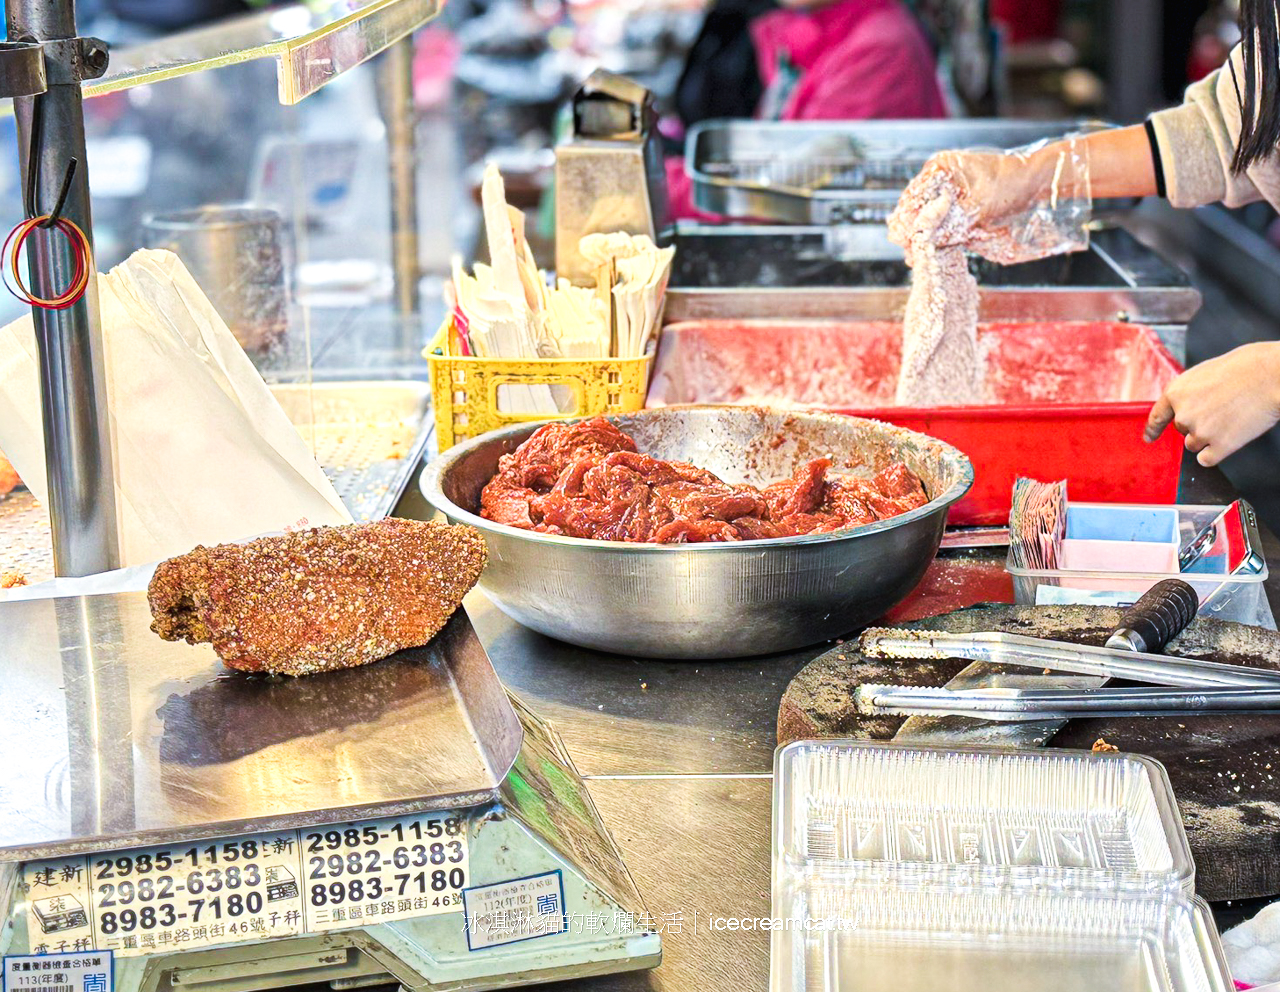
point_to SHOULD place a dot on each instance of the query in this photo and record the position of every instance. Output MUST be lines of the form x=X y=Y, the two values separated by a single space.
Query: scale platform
x=406 y=821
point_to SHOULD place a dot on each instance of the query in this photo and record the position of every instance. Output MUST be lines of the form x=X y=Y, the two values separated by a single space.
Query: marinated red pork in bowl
x=701 y=532
x=589 y=480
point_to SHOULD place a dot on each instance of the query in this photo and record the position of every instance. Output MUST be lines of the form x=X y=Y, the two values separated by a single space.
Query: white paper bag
x=203 y=452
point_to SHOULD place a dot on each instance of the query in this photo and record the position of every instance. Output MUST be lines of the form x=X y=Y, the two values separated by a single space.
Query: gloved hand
x=1022 y=204
x=1222 y=404
x=994 y=186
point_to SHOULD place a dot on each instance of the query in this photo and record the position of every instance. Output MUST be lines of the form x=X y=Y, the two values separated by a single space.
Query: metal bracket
x=73 y=60
x=610 y=106
x=29 y=68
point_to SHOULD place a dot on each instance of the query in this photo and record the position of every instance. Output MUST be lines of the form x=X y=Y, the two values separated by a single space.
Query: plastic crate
x=465 y=390
x=1070 y=399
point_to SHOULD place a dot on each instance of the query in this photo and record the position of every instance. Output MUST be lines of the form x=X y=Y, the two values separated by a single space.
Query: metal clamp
x=610 y=106
x=22 y=70
x=73 y=60
x=29 y=68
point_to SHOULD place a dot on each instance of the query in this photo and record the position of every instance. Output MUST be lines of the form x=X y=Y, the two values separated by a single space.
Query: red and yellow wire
x=11 y=254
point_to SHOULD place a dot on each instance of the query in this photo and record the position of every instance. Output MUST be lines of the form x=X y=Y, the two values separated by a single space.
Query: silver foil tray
x=116 y=738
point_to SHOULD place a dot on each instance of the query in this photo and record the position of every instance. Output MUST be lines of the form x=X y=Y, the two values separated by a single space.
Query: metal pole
x=72 y=384
x=395 y=88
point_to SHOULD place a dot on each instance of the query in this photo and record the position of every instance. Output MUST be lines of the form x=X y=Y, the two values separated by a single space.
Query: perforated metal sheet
x=856 y=172
x=368 y=436
x=25 y=540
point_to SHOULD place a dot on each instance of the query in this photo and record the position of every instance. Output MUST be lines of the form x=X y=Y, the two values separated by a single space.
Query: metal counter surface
x=679 y=757
x=634 y=716
x=697 y=848
x=128 y=739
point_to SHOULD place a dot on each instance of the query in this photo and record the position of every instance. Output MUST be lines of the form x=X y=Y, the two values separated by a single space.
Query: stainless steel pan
x=713 y=600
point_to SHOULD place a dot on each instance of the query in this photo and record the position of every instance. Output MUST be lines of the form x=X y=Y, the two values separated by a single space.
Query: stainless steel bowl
x=728 y=600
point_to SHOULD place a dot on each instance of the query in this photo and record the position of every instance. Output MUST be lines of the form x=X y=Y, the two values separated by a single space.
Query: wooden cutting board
x=1225 y=769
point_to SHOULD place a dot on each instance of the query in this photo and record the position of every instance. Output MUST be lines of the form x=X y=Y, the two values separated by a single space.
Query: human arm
x=996 y=186
x=1222 y=404
x=1196 y=142
x=1183 y=153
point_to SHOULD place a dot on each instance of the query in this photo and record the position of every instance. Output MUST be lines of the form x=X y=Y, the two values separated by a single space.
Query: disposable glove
x=1022 y=204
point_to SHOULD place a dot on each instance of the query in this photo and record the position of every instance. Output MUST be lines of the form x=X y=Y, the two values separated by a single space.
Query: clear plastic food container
x=1049 y=819
x=903 y=940
x=903 y=868
x=1127 y=534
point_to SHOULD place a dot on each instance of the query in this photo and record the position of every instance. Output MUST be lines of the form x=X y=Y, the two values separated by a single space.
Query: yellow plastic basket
x=464 y=391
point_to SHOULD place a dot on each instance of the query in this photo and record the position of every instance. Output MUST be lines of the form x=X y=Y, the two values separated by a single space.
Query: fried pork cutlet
x=316 y=600
x=9 y=480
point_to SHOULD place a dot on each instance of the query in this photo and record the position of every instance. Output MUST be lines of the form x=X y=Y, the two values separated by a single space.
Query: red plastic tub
x=1067 y=400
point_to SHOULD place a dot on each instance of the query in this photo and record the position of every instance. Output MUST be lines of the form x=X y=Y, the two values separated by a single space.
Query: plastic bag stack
x=203 y=453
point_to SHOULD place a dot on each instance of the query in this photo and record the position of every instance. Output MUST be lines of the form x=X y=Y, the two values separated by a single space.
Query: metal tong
x=1027 y=705
x=1158 y=616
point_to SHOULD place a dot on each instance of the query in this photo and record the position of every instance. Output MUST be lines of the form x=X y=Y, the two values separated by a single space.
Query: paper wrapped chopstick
x=643 y=270
x=509 y=310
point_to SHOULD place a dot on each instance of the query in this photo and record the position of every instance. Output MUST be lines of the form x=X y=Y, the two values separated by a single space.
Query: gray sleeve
x=1197 y=140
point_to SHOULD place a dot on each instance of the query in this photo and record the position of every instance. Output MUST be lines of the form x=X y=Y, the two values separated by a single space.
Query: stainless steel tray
x=823 y=173
x=796 y=272
x=115 y=738
x=369 y=437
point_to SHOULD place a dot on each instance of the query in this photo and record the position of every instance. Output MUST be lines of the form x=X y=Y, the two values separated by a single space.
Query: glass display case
x=297 y=217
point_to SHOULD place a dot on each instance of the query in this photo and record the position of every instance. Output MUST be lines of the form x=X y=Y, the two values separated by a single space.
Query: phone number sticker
x=160 y=899
x=155 y=899
x=384 y=870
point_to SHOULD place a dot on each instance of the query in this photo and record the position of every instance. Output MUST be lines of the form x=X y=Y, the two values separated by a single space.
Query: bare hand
x=1222 y=404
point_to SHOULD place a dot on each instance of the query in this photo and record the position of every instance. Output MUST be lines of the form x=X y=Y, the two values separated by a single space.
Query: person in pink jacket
x=819 y=60
x=1221 y=145
x=848 y=60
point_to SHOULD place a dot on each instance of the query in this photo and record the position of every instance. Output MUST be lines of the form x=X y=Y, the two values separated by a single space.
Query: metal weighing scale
x=170 y=824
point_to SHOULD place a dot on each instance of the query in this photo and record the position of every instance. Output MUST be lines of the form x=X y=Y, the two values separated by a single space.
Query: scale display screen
x=156 y=900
